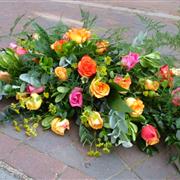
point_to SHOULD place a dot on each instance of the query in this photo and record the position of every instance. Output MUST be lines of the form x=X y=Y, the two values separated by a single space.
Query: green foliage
x=10 y=62
x=86 y=136
x=87 y=19
x=117 y=103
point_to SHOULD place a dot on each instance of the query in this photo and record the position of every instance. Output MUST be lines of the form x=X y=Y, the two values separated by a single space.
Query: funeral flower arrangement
x=117 y=92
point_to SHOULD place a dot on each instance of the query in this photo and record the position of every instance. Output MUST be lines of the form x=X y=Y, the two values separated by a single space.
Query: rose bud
x=150 y=134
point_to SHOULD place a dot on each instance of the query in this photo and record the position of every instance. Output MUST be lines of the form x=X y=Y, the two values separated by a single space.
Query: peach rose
x=99 y=89
x=87 y=66
x=123 y=82
x=95 y=121
x=57 y=46
x=79 y=35
x=150 y=134
x=151 y=85
x=136 y=105
x=5 y=76
x=61 y=73
x=59 y=127
x=102 y=47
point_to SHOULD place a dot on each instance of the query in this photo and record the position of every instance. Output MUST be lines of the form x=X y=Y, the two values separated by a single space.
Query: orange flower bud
x=95 y=121
x=61 y=73
x=102 y=47
x=79 y=35
x=136 y=105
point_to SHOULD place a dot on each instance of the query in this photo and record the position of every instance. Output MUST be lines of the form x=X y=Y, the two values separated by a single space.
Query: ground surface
x=48 y=156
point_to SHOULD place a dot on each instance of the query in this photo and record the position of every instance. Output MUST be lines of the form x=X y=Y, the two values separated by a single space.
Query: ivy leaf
x=46 y=122
x=59 y=97
x=116 y=103
x=62 y=89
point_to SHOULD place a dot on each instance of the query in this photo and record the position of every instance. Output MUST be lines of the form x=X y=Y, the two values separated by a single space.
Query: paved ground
x=48 y=156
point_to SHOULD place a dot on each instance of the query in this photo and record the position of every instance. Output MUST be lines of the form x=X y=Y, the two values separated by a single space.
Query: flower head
x=95 y=121
x=130 y=60
x=61 y=73
x=31 y=89
x=34 y=102
x=79 y=35
x=123 y=82
x=76 y=98
x=136 y=105
x=98 y=88
x=151 y=85
x=150 y=134
x=57 y=45
x=176 y=96
x=87 y=66
x=102 y=47
x=59 y=127
x=5 y=76
x=21 y=51
x=166 y=74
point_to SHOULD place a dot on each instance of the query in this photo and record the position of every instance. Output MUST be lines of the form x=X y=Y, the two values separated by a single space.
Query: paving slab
x=35 y=164
x=7 y=145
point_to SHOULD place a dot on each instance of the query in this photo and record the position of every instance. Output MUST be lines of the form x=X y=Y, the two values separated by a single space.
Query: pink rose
x=130 y=60
x=21 y=51
x=13 y=45
x=31 y=89
x=176 y=97
x=76 y=98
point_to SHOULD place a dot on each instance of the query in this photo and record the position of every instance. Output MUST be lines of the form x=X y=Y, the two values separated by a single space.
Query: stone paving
x=49 y=157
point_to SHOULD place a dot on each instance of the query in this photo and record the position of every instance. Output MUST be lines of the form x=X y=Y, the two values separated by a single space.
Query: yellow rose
x=136 y=105
x=102 y=47
x=61 y=73
x=151 y=85
x=34 y=102
x=59 y=127
x=5 y=76
x=80 y=35
x=99 y=89
x=21 y=96
x=95 y=121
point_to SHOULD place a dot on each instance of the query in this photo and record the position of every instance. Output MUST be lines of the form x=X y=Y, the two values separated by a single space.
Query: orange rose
x=136 y=105
x=151 y=85
x=61 y=73
x=57 y=46
x=95 y=121
x=80 y=35
x=59 y=127
x=123 y=82
x=87 y=66
x=99 y=89
x=5 y=76
x=102 y=46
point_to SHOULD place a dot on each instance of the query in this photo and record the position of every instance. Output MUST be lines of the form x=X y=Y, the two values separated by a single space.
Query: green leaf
x=178 y=123
x=178 y=135
x=62 y=89
x=46 y=122
x=59 y=97
x=116 y=103
x=30 y=79
x=85 y=135
x=117 y=87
